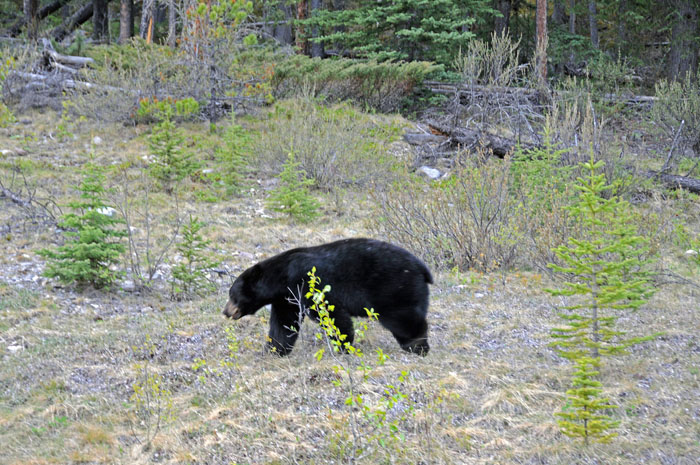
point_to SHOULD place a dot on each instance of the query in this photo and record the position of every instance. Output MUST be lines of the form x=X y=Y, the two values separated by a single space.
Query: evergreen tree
x=609 y=273
x=431 y=30
x=190 y=275
x=94 y=241
x=292 y=195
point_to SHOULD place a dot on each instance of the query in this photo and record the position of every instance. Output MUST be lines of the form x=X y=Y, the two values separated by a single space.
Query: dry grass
x=486 y=393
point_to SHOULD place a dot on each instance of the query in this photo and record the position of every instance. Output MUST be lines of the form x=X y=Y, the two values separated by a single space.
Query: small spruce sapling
x=609 y=272
x=292 y=196
x=232 y=157
x=171 y=163
x=190 y=275
x=93 y=244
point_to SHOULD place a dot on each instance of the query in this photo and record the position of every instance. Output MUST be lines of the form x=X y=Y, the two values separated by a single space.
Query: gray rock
x=431 y=173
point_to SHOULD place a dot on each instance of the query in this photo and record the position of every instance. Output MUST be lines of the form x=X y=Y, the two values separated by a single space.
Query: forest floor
x=94 y=376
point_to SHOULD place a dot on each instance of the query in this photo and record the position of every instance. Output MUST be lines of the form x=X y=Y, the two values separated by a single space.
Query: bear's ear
x=254 y=273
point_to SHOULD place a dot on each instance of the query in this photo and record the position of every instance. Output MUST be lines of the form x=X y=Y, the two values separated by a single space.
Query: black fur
x=362 y=273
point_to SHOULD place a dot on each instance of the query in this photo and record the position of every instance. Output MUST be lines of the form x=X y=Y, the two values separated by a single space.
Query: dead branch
x=673 y=181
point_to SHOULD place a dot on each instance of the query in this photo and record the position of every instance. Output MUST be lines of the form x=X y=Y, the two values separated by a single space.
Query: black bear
x=362 y=273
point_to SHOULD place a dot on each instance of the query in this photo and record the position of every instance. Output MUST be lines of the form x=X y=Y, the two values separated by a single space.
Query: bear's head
x=242 y=298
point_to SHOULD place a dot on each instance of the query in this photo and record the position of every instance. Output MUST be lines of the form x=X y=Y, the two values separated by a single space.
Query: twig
x=673 y=145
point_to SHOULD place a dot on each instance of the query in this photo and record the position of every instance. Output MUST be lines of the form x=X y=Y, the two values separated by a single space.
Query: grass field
x=124 y=376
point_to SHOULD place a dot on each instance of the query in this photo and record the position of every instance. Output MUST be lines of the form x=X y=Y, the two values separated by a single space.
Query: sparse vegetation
x=292 y=196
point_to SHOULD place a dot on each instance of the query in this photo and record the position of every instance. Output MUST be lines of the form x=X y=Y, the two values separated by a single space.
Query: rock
x=128 y=286
x=429 y=172
x=6 y=152
x=97 y=140
x=107 y=211
x=14 y=348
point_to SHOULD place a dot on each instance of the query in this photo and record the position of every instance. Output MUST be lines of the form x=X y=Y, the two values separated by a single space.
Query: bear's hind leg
x=285 y=323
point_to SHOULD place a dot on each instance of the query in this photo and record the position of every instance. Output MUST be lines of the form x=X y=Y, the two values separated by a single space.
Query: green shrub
x=93 y=245
x=337 y=146
x=292 y=196
x=378 y=85
x=232 y=157
x=373 y=430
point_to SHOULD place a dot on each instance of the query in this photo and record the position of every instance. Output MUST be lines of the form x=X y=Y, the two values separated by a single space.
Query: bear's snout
x=232 y=311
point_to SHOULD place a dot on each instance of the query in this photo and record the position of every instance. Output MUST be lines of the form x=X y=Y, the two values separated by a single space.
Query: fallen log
x=77 y=19
x=43 y=12
x=673 y=181
x=469 y=138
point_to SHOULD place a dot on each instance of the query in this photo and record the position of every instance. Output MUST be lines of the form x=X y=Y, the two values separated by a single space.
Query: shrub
x=337 y=146
x=378 y=85
x=466 y=221
x=370 y=422
x=94 y=242
x=676 y=113
x=232 y=157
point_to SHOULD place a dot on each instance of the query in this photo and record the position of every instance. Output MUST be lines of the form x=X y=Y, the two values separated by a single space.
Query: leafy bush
x=94 y=242
x=374 y=426
x=336 y=146
x=371 y=84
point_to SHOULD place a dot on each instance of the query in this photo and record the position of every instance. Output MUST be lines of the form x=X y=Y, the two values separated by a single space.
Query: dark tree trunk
x=572 y=17
x=593 y=23
x=100 y=21
x=684 y=47
x=31 y=8
x=77 y=19
x=43 y=12
x=622 y=24
x=559 y=13
x=501 y=24
x=283 y=32
x=541 y=43
x=126 y=21
x=316 y=47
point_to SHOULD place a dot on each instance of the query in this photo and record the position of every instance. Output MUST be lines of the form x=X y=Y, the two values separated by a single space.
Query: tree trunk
x=46 y=10
x=559 y=13
x=316 y=47
x=622 y=24
x=283 y=32
x=684 y=48
x=500 y=25
x=100 y=21
x=593 y=23
x=300 y=36
x=126 y=21
x=30 y=17
x=541 y=43
x=77 y=19
x=172 y=23
x=147 y=9
x=572 y=17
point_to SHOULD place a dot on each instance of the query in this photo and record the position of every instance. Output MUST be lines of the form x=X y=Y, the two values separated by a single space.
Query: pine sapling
x=171 y=164
x=609 y=271
x=93 y=244
x=292 y=196
x=190 y=275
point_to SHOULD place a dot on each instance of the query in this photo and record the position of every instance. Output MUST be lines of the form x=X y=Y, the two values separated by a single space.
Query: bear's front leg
x=285 y=322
